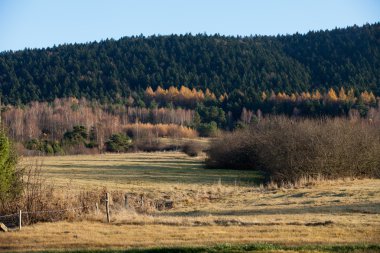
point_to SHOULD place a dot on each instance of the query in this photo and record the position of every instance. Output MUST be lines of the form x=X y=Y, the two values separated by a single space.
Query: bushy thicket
x=44 y=146
x=289 y=149
x=118 y=143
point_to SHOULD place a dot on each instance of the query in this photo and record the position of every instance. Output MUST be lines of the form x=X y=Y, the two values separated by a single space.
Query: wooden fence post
x=108 y=207
x=19 y=219
x=126 y=201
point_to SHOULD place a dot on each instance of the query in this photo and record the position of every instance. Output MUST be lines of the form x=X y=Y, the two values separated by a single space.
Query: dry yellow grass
x=65 y=235
x=206 y=210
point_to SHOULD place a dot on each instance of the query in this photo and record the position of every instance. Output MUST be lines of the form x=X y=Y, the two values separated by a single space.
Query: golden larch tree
x=331 y=95
x=342 y=95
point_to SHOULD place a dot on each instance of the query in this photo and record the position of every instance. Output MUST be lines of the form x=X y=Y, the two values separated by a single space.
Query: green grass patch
x=259 y=247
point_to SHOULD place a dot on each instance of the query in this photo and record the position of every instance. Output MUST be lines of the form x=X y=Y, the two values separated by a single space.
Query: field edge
x=254 y=247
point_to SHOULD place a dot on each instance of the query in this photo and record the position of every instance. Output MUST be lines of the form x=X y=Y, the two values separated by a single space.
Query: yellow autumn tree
x=223 y=97
x=282 y=96
x=305 y=96
x=149 y=92
x=200 y=95
x=342 y=95
x=185 y=93
x=172 y=94
x=194 y=94
x=331 y=96
x=210 y=95
x=160 y=91
x=293 y=97
x=373 y=98
x=263 y=96
x=316 y=95
x=368 y=97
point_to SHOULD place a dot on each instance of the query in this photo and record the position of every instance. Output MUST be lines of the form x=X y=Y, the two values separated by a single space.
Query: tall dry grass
x=42 y=201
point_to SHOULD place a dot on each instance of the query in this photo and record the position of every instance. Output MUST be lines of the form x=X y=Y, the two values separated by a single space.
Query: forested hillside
x=114 y=71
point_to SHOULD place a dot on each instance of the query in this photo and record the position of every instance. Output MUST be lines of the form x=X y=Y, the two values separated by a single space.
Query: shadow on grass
x=187 y=173
x=372 y=208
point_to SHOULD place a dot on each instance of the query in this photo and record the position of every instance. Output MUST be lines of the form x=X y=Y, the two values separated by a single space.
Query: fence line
x=20 y=212
x=54 y=211
x=17 y=218
x=8 y=215
x=44 y=211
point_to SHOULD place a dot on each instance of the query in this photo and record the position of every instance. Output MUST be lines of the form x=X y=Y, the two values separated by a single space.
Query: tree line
x=70 y=125
x=75 y=124
x=309 y=104
x=119 y=71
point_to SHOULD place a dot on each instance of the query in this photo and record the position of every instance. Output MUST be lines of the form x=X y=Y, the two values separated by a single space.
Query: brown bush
x=290 y=149
x=192 y=148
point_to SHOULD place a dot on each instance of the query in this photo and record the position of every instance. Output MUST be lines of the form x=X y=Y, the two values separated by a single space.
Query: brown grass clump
x=291 y=149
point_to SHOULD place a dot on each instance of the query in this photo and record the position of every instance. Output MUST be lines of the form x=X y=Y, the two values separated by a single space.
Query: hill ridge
x=113 y=70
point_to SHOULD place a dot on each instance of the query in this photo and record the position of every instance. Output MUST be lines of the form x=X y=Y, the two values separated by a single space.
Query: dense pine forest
x=113 y=70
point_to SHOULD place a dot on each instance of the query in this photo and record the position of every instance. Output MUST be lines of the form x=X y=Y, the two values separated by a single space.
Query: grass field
x=211 y=207
x=137 y=170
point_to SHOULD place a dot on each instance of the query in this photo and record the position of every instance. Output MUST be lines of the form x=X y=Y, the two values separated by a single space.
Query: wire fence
x=139 y=203
x=10 y=220
x=54 y=211
x=15 y=219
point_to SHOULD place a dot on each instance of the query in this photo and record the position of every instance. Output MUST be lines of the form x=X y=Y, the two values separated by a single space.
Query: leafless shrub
x=192 y=148
x=40 y=200
x=291 y=149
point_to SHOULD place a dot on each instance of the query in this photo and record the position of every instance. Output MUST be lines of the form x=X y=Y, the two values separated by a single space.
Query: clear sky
x=44 y=23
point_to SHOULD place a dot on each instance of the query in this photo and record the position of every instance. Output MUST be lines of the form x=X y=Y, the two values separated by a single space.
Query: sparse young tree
x=10 y=177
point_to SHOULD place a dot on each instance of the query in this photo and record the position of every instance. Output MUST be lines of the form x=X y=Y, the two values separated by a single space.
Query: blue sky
x=44 y=23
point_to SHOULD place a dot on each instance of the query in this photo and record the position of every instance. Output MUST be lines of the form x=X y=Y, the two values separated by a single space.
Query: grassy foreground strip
x=259 y=247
